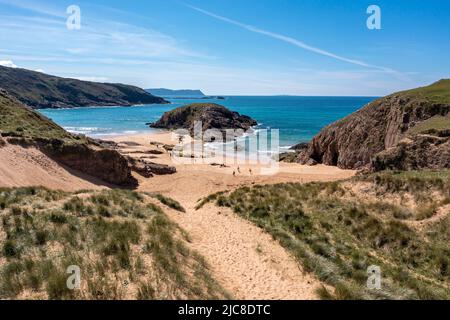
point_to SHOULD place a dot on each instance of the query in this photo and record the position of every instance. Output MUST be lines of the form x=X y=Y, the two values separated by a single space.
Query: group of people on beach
x=239 y=171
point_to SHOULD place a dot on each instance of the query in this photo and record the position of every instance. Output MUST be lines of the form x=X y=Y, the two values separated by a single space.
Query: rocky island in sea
x=210 y=115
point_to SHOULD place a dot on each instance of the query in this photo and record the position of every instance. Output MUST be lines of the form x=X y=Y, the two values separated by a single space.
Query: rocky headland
x=39 y=90
x=405 y=130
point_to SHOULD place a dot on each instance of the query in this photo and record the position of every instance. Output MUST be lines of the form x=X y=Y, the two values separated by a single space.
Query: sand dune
x=30 y=167
x=244 y=259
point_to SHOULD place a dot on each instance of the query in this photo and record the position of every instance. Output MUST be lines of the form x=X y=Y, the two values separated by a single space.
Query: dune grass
x=16 y=120
x=123 y=243
x=337 y=235
x=171 y=203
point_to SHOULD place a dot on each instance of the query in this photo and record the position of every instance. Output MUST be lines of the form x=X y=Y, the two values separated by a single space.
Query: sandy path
x=244 y=259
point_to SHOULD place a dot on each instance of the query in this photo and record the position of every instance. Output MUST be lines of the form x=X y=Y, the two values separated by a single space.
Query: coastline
x=296 y=118
x=197 y=169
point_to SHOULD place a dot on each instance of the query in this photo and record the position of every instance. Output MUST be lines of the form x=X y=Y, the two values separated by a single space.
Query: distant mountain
x=39 y=90
x=162 y=92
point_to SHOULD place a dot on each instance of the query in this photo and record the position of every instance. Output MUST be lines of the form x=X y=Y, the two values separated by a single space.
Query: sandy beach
x=200 y=177
x=246 y=260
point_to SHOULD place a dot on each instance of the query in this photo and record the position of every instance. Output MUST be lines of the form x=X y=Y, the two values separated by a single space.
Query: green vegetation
x=25 y=127
x=171 y=203
x=40 y=90
x=438 y=92
x=338 y=229
x=436 y=123
x=18 y=121
x=123 y=243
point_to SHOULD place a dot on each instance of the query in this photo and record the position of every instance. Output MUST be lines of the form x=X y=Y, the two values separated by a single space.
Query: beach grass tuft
x=171 y=203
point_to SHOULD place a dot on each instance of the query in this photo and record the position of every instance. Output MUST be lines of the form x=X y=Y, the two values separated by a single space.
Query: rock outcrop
x=39 y=90
x=106 y=164
x=299 y=146
x=147 y=169
x=352 y=142
x=422 y=152
x=211 y=116
x=22 y=125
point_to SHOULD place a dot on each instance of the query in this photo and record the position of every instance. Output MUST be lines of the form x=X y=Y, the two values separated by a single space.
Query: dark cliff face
x=211 y=115
x=352 y=142
x=21 y=125
x=39 y=90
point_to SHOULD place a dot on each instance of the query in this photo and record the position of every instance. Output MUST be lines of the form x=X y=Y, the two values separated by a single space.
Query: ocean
x=297 y=118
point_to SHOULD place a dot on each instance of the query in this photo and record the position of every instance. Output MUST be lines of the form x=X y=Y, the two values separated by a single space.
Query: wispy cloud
x=35 y=7
x=46 y=30
x=94 y=79
x=95 y=41
x=298 y=43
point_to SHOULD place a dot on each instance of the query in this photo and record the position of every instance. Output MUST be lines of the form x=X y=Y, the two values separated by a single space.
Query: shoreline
x=245 y=173
x=165 y=133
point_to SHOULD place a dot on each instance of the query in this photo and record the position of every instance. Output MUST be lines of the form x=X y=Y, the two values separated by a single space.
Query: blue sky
x=265 y=47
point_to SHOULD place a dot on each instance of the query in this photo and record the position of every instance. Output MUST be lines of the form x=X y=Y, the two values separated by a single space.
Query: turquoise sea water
x=297 y=118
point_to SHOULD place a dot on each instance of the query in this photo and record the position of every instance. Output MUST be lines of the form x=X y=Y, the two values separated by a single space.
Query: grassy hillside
x=39 y=90
x=18 y=121
x=122 y=241
x=397 y=221
x=434 y=124
x=438 y=92
x=22 y=125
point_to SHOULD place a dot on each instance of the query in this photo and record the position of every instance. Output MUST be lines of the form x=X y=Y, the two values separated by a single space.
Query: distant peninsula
x=39 y=90
x=163 y=92
x=181 y=94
